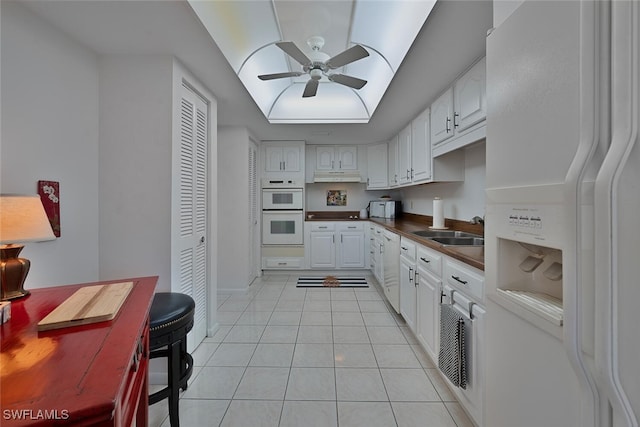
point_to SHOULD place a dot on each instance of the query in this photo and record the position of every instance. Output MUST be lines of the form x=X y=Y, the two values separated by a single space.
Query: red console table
x=91 y=375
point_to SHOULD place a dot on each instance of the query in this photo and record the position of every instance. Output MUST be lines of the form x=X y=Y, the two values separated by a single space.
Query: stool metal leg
x=174 y=383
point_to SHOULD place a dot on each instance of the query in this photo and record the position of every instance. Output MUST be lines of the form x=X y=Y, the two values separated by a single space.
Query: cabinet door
x=408 y=293
x=347 y=157
x=393 y=162
x=273 y=159
x=404 y=155
x=469 y=97
x=421 y=148
x=428 y=312
x=291 y=159
x=324 y=158
x=323 y=250
x=351 y=249
x=442 y=117
x=377 y=166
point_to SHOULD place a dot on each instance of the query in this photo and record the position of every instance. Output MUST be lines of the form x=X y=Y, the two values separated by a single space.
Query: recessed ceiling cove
x=314 y=61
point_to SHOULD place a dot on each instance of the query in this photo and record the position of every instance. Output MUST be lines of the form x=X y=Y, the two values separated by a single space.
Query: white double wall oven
x=282 y=213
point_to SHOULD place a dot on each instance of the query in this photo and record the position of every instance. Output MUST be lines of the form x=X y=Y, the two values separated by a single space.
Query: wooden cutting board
x=90 y=304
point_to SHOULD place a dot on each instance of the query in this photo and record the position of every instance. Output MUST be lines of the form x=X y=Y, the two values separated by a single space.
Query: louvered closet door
x=192 y=260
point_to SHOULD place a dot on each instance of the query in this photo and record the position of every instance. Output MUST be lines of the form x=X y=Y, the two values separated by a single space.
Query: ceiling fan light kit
x=319 y=64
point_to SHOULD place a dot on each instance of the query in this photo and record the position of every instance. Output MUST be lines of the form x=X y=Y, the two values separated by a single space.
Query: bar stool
x=171 y=318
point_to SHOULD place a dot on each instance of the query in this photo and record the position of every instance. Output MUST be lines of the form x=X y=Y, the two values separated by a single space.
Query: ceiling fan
x=319 y=63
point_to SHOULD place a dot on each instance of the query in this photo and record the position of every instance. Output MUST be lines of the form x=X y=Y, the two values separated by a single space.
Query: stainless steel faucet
x=477 y=220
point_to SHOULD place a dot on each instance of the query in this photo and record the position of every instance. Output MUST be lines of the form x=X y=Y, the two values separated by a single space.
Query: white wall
x=50 y=132
x=233 y=208
x=135 y=167
x=357 y=196
x=462 y=200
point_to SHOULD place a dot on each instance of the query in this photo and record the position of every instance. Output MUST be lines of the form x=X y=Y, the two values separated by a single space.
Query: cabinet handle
x=458 y=279
x=410 y=271
x=408 y=174
x=282 y=263
x=340 y=164
x=455 y=123
x=411 y=173
x=322 y=226
x=351 y=226
x=367 y=181
x=403 y=248
x=425 y=260
x=333 y=238
x=416 y=281
x=447 y=124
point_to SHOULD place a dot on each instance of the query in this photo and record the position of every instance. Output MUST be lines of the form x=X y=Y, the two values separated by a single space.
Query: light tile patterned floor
x=287 y=356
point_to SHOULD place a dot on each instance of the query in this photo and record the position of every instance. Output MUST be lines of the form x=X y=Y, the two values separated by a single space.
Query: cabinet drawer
x=407 y=249
x=323 y=226
x=351 y=226
x=282 y=263
x=465 y=279
x=429 y=260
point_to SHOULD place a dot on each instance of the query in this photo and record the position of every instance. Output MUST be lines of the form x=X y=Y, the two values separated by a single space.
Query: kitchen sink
x=444 y=233
x=459 y=241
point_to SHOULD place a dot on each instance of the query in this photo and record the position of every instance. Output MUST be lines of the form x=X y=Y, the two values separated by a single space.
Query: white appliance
x=282 y=214
x=282 y=227
x=282 y=198
x=562 y=235
x=384 y=208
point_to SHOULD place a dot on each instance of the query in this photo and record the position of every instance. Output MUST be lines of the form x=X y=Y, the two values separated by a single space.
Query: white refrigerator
x=562 y=237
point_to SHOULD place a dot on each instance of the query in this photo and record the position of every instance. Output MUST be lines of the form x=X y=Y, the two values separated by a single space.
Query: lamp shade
x=23 y=219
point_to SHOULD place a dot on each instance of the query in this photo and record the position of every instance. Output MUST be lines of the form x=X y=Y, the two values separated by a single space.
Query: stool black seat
x=170 y=319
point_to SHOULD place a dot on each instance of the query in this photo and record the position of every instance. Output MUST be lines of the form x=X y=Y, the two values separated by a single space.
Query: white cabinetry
x=322 y=245
x=393 y=162
x=458 y=115
x=420 y=148
x=404 y=155
x=408 y=282
x=377 y=176
x=341 y=157
x=429 y=282
x=283 y=159
x=377 y=247
x=336 y=245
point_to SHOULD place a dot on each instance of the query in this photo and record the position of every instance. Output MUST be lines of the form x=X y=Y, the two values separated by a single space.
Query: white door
x=189 y=260
x=393 y=162
x=408 y=293
x=404 y=155
x=254 y=233
x=377 y=166
x=469 y=97
x=351 y=249
x=324 y=158
x=441 y=117
x=274 y=161
x=428 y=312
x=421 y=148
x=291 y=159
x=347 y=157
x=323 y=249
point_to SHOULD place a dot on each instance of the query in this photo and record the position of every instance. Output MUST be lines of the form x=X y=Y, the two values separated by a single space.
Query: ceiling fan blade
x=352 y=82
x=293 y=51
x=352 y=54
x=280 y=75
x=310 y=88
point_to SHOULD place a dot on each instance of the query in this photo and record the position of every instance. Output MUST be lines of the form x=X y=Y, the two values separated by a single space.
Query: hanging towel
x=452 y=359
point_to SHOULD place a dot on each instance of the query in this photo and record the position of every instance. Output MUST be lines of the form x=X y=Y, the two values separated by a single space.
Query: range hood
x=337 y=176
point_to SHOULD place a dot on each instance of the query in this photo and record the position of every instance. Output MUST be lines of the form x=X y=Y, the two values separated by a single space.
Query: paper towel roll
x=438 y=213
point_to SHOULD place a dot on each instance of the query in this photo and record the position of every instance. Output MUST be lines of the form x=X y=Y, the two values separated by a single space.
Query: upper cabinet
x=284 y=159
x=377 y=176
x=341 y=157
x=420 y=148
x=458 y=115
x=392 y=163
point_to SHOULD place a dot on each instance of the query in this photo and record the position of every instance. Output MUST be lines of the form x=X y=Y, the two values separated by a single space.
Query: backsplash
x=462 y=200
x=357 y=196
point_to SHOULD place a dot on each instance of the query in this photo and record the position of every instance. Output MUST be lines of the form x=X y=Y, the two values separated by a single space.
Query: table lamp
x=22 y=220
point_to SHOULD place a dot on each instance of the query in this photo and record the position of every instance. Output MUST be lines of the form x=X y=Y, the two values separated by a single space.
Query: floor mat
x=332 y=282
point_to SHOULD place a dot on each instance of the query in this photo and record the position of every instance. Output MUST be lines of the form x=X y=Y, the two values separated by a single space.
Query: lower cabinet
x=408 y=307
x=336 y=244
x=429 y=285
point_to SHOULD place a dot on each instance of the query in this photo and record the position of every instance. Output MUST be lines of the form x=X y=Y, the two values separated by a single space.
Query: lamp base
x=13 y=272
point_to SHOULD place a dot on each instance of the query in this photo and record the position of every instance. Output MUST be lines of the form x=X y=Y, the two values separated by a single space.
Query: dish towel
x=452 y=359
